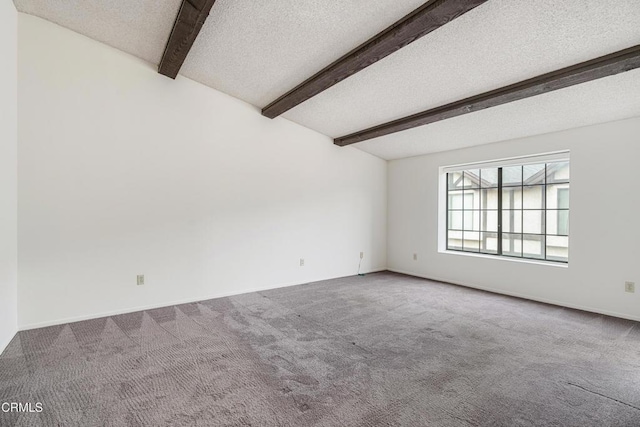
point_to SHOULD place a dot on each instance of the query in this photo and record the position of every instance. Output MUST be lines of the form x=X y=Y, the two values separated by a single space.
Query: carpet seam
x=603 y=395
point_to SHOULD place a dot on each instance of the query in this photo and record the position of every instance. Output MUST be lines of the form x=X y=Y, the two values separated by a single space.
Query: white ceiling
x=140 y=28
x=257 y=50
x=598 y=101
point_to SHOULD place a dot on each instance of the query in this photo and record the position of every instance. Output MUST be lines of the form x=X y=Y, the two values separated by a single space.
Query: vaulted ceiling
x=257 y=50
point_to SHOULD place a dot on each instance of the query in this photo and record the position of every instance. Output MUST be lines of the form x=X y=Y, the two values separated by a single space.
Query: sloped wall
x=125 y=172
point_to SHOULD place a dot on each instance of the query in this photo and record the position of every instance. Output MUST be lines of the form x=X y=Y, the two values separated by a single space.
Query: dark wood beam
x=427 y=18
x=186 y=27
x=608 y=65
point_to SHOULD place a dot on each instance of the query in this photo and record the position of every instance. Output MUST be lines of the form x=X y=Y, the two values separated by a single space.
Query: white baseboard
x=169 y=303
x=525 y=296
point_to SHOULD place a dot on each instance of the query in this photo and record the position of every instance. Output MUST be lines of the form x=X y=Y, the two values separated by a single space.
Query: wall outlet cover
x=140 y=279
x=629 y=287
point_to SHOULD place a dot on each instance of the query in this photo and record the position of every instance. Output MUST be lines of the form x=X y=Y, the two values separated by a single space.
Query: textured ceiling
x=138 y=27
x=496 y=44
x=257 y=50
x=604 y=100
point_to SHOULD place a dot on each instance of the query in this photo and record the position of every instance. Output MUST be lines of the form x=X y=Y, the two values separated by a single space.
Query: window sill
x=504 y=258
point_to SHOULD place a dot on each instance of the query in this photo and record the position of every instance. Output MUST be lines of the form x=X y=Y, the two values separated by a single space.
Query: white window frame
x=556 y=156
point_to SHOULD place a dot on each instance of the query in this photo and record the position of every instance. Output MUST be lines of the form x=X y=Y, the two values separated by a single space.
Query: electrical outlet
x=301 y=262
x=140 y=279
x=629 y=287
x=361 y=255
x=415 y=257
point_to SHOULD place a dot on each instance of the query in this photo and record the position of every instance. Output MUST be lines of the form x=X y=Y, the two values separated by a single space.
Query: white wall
x=8 y=172
x=124 y=172
x=605 y=221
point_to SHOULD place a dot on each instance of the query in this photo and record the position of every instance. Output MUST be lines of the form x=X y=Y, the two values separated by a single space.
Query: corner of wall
x=8 y=173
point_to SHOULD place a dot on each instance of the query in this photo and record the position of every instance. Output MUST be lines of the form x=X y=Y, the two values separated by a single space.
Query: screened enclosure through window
x=514 y=210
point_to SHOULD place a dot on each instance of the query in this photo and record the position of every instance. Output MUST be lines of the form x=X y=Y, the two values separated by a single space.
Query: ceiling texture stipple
x=496 y=44
x=138 y=27
x=258 y=50
x=598 y=101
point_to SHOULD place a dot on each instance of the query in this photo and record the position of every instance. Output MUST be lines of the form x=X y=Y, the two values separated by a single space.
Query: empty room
x=320 y=213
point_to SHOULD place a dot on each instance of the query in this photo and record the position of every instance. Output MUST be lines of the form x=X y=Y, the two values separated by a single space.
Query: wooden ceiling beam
x=190 y=19
x=427 y=18
x=608 y=65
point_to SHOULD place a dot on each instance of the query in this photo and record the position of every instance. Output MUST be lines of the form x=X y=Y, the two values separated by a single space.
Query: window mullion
x=499 y=211
x=447 y=194
x=544 y=212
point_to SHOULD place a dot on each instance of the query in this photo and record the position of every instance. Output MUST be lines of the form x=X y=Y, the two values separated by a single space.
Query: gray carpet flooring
x=379 y=350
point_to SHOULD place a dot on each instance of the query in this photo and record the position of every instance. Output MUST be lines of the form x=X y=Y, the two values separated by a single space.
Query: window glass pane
x=489 y=177
x=534 y=210
x=512 y=175
x=563 y=197
x=563 y=223
x=558 y=222
x=455 y=180
x=511 y=221
x=472 y=178
x=557 y=248
x=489 y=243
x=489 y=221
x=533 y=222
x=489 y=198
x=533 y=197
x=533 y=174
x=512 y=244
x=471 y=241
x=558 y=196
x=533 y=246
x=455 y=220
x=455 y=199
x=512 y=198
x=471 y=199
x=557 y=172
x=455 y=240
x=471 y=220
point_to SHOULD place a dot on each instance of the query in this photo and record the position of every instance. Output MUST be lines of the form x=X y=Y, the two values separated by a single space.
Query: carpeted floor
x=379 y=350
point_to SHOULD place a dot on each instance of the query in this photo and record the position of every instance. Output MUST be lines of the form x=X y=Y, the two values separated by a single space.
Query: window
x=563 y=213
x=516 y=209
